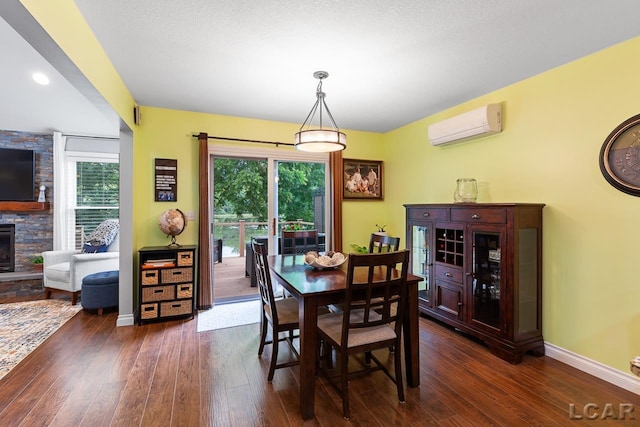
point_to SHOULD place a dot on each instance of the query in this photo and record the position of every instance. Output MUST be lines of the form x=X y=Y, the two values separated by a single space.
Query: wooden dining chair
x=374 y=283
x=300 y=241
x=378 y=243
x=382 y=243
x=278 y=315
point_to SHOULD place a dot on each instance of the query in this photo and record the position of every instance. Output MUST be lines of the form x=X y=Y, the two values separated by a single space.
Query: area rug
x=229 y=315
x=25 y=325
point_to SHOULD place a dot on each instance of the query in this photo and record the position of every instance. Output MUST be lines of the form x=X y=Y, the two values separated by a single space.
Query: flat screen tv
x=17 y=175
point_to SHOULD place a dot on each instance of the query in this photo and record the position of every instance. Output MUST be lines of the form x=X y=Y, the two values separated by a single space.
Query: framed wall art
x=166 y=184
x=362 y=179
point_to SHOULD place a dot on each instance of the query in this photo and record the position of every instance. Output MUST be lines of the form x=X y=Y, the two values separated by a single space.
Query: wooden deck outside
x=230 y=281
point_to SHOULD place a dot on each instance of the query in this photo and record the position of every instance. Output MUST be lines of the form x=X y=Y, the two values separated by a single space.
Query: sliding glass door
x=300 y=189
x=256 y=193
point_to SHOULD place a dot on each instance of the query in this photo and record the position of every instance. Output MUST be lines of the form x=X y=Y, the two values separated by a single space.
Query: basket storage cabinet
x=167 y=283
x=482 y=270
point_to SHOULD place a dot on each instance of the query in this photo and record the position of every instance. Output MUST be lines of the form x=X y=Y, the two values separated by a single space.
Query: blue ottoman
x=100 y=290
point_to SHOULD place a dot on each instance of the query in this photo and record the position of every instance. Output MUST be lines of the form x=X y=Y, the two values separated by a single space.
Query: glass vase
x=466 y=191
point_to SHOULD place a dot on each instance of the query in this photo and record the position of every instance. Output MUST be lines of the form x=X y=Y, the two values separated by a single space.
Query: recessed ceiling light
x=40 y=78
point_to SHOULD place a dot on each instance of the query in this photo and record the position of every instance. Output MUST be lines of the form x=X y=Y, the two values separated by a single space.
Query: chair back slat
x=382 y=243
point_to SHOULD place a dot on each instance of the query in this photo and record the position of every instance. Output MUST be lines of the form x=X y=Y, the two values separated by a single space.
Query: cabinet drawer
x=439 y=214
x=486 y=215
x=149 y=311
x=448 y=272
x=176 y=308
x=157 y=293
x=185 y=290
x=150 y=277
x=185 y=258
x=177 y=275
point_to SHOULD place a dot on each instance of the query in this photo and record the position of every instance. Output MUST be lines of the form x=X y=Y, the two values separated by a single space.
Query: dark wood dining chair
x=374 y=283
x=278 y=315
x=382 y=243
x=378 y=243
x=300 y=241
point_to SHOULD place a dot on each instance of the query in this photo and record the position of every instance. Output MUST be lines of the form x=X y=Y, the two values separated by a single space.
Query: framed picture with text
x=362 y=179
x=166 y=180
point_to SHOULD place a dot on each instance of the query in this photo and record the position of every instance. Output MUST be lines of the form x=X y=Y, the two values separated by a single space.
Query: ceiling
x=389 y=63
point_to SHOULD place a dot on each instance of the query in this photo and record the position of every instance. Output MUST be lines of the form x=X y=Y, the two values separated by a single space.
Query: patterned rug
x=229 y=315
x=25 y=325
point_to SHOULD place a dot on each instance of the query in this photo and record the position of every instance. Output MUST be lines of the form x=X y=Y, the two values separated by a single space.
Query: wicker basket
x=157 y=293
x=149 y=311
x=177 y=275
x=185 y=258
x=185 y=291
x=176 y=308
x=150 y=277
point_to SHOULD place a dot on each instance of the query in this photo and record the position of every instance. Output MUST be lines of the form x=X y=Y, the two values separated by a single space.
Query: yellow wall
x=168 y=134
x=554 y=126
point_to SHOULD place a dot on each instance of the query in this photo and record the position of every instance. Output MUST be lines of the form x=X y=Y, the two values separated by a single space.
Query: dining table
x=314 y=288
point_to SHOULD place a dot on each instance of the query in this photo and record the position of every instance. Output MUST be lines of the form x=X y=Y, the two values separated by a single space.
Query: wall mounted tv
x=17 y=175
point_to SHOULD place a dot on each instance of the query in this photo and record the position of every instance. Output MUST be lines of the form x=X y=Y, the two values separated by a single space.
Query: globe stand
x=173 y=243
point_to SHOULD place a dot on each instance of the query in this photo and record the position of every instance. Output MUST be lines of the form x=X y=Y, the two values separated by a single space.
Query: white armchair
x=63 y=271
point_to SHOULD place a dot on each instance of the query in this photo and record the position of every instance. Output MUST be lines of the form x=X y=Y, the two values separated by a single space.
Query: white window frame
x=71 y=159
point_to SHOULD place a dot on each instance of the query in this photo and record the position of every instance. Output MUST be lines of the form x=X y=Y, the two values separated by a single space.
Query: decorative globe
x=172 y=222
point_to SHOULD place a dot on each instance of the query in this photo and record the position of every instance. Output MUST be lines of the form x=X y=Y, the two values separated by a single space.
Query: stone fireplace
x=26 y=228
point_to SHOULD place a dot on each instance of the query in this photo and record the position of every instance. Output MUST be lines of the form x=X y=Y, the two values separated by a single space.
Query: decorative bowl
x=324 y=261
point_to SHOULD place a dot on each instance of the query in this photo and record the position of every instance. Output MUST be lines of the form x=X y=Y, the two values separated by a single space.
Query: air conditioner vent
x=483 y=121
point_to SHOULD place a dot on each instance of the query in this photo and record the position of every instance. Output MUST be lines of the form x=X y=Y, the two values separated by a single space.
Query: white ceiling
x=390 y=62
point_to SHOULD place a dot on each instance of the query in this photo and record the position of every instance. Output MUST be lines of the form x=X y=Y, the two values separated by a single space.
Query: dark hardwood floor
x=90 y=373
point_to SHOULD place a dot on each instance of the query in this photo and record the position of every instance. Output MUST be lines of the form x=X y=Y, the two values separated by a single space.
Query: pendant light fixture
x=320 y=140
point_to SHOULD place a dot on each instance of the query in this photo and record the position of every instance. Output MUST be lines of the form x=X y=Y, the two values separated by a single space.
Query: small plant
x=381 y=228
x=360 y=249
x=292 y=227
x=36 y=259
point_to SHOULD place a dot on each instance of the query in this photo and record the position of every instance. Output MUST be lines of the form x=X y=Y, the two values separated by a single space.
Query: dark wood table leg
x=411 y=337
x=308 y=312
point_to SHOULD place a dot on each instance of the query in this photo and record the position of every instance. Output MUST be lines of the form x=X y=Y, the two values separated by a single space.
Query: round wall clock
x=620 y=157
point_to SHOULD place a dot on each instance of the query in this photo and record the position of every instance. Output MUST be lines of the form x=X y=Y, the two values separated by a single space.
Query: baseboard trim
x=125 y=320
x=616 y=377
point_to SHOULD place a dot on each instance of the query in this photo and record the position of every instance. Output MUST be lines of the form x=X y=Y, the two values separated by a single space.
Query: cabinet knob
x=448 y=274
x=475 y=216
x=426 y=214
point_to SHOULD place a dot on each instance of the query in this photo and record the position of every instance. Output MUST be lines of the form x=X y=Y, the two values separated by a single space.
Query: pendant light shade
x=320 y=140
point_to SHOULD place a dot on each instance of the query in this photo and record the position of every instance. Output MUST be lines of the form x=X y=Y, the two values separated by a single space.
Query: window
x=92 y=194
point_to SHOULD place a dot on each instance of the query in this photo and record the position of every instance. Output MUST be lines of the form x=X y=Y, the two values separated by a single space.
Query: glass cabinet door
x=421 y=262
x=486 y=268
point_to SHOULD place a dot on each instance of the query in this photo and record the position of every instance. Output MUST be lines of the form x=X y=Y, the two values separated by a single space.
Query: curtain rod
x=257 y=141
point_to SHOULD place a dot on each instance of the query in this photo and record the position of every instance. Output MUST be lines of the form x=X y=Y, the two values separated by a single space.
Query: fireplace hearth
x=7 y=247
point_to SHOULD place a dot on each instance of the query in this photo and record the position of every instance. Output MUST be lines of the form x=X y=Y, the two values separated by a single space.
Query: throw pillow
x=104 y=233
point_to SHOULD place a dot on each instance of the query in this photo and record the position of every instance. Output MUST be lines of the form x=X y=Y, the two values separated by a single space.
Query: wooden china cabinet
x=482 y=269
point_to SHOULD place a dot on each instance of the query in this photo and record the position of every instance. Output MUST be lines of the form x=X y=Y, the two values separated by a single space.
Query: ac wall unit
x=476 y=123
